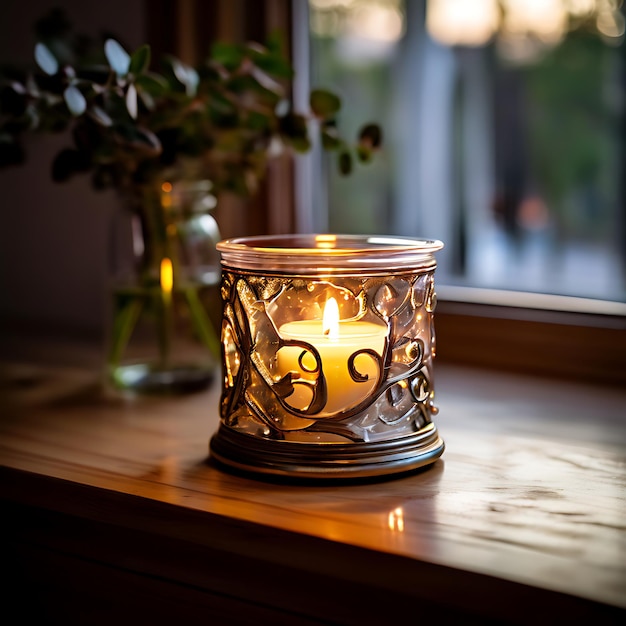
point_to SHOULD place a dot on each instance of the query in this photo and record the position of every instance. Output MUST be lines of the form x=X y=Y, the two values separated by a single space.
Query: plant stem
x=202 y=322
x=123 y=326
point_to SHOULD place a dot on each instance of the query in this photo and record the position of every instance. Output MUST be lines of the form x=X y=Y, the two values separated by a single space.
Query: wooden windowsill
x=558 y=344
x=112 y=510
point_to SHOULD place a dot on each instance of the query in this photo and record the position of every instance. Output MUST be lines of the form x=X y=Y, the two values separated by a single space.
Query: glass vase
x=164 y=300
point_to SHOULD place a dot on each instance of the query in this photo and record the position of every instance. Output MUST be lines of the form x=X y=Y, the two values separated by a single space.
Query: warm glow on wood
x=396 y=520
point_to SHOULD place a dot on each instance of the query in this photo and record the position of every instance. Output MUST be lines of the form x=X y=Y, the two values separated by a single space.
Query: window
x=505 y=138
x=504 y=124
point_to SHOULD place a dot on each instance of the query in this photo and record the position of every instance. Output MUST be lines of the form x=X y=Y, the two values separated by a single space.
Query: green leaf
x=345 y=163
x=301 y=144
x=140 y=138
x=31 y=87
x=75 y=100
x=257 y=121
x=282 y=107
x=227 y=54
x=364 y=154
x=147 y=99
x=32 y=117
x=117 y=57
x=131 y=101
x=140 y=60
x=53 y=117
x=324 y=103
x=267 y=82
x=222 y=112
x=45 y=59
x=271 y=62
x=186 y=75
x=330 y=138
x=248 y=93
x=152 y=83
x=100 y=116
x=149 y=139
x=193 y=80
x=371 y=136
x=294 y=130
x=276 y=43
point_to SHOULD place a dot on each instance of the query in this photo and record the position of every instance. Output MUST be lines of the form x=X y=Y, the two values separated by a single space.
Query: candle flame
x=167 y=275
x=330 y=323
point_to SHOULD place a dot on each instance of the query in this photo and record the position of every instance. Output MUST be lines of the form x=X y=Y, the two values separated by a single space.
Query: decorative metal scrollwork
x=389 y=388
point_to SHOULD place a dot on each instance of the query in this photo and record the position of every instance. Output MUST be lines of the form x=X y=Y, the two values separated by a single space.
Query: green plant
x=133 y=129
x=131 y=125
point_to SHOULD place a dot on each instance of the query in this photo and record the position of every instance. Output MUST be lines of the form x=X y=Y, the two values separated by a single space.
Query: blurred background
x=53 y=237
x=504 y=137
x=505 y=134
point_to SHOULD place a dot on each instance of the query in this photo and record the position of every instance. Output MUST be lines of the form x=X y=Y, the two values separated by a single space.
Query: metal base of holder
x=326 y=460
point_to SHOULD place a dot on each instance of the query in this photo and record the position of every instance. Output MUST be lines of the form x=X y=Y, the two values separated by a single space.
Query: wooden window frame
x=572 y=345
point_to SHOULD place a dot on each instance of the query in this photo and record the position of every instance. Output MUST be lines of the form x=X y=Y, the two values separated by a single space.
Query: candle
x=336 y=341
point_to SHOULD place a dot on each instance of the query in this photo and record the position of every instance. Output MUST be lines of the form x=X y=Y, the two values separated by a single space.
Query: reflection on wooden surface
x=530 y=489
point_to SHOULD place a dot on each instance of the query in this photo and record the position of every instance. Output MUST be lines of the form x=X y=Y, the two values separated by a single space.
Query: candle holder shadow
x=327 y=353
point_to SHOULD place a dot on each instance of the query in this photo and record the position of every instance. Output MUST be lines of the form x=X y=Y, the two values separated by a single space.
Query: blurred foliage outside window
x=504 y=134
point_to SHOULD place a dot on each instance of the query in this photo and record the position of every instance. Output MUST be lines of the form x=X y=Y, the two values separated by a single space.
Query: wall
x=53 y=237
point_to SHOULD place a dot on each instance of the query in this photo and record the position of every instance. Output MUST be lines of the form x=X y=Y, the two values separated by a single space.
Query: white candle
x=336 y=341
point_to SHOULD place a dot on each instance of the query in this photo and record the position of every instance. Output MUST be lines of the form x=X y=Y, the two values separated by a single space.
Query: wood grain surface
x=527 y=505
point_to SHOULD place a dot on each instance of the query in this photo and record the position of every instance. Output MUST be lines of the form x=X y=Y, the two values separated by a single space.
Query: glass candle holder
x=327 y=351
